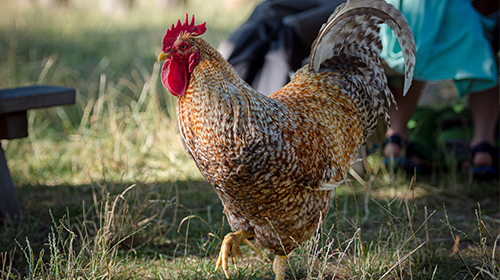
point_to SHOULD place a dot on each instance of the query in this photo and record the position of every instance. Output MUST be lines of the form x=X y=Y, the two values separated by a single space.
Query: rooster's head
x=180 y=55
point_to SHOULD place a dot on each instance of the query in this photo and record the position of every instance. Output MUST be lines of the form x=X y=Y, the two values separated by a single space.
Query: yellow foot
x=231 y=247
x=279 y=266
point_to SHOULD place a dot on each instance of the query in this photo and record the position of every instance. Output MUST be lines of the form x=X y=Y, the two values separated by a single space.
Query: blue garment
x=451 y=41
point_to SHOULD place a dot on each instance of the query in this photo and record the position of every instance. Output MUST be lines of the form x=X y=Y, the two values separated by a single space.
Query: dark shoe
x=486 y=172
x=455 y=131
x=412 y=157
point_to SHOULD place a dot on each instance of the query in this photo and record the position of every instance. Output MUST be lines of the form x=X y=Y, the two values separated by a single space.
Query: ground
x=107 y=190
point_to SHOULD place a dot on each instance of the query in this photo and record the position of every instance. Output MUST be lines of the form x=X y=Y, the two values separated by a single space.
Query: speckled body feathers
x=273 y=161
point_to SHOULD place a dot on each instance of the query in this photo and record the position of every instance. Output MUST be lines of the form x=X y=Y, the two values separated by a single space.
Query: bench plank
x=25 y=98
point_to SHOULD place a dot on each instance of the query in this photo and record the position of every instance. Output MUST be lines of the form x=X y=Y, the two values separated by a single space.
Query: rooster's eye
x=183 y=47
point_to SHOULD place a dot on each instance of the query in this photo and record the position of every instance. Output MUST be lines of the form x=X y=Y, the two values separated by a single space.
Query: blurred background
x=106 y=49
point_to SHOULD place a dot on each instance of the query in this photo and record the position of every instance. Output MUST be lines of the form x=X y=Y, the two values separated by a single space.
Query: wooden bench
x=14 y=104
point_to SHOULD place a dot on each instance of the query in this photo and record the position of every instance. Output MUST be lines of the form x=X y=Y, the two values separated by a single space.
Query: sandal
x=455 y=132
x=418 y=154
x=411 y=159
x=486 y=172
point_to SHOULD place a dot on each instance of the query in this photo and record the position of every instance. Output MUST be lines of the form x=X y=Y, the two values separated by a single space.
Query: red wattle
x=174 y=77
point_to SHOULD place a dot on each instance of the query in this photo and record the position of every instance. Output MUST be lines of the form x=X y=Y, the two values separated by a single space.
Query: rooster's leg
x=279 y=266
x=231 y=246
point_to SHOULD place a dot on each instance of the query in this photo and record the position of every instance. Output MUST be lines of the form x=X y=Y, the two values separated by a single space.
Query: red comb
x=186 y=27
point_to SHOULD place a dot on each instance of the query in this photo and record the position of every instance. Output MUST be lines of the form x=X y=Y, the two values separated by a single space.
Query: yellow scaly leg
x=231 y=247
x=279 y=266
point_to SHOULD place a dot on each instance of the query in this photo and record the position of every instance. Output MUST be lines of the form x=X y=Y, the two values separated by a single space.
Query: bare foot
x=394 y=149
x=481 y=158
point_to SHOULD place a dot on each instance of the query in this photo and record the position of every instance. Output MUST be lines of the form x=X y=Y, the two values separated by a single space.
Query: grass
x=108 y=192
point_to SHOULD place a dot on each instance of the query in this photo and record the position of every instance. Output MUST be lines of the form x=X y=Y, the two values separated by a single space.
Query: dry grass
x=108 y=192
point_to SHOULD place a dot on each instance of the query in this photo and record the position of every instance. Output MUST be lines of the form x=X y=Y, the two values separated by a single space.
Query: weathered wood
x=13 y=125
x=9 y=204
x=25 y=98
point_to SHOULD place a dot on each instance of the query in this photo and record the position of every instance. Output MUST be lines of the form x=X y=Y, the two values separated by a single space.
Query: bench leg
x=9 y=204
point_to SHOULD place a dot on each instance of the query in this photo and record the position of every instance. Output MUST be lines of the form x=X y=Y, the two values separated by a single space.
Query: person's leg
x=399 y=117
x=484 y=108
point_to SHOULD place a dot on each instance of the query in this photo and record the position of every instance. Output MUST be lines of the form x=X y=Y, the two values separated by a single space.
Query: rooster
x=275 y=161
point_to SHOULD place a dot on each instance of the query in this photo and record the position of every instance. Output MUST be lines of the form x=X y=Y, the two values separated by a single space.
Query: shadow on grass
x=181 y=222
x=144 y=218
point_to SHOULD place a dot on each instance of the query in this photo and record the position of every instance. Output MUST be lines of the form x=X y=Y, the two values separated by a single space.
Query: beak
x=163 y=56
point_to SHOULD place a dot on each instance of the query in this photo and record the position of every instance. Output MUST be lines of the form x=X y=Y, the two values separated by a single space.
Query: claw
x=253 y=247
x=231 y=247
